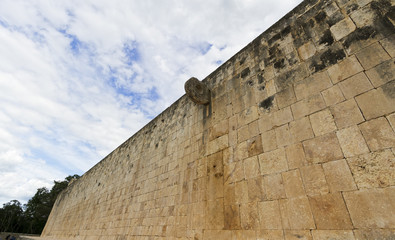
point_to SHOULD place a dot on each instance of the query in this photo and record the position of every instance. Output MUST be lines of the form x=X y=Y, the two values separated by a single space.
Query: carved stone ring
x=197 y=91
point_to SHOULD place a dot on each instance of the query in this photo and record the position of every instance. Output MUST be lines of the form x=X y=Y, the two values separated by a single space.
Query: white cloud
x=77 y=78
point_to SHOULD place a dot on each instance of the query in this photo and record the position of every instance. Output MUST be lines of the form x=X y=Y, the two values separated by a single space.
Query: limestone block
x=378 y=134
x=295 y=156
x=286 y=97
x=283 y=136
x=322 y=149
x=307 y=106
x=251 y=167
x=338 y=176
x=244 y=234
x=330 y=212
x=242 y=134
x=363 y=16
x=241 y=151
x=312 y=85
x=382 y=73
x=301 y=129
x=254 y=146
x=215 y=176
x=377 y=102
x=389 y=45
x=218 y=144
x=219 y=130
x=232 y=217
x=355 y=85
x=215 y=214
x=314 y=180
x=333 y=235
x=270 y=234
x=391 y=119
x=241 y=192
x=376 y=169
x=253 y=128
x=274 y=187
x=342 y=28
x=265 y=122
x=273 y=161
x=217 y=235
x=229 y=194
x=269 y=141
x=367 y=234
x=255 y=189
x=333 y=95
x=293 y=184
x=344 y=69
x=269 y=215
x=372 y=56
x=282 y=116
x=246 y=116
x=351 y=141
x=249 y=216
x=298 y=235
x=296 y=213
x=372 y=208
x=307 y=50
x=234 y=172
x=322 y=122
x=346 y=114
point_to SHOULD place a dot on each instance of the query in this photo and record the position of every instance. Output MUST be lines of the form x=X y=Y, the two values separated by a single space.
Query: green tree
x=11 y=217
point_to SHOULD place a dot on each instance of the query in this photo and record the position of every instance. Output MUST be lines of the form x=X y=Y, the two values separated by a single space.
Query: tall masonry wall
x=297 y=142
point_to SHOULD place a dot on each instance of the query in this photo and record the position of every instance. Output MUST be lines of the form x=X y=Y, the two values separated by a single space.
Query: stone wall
x=297 y=142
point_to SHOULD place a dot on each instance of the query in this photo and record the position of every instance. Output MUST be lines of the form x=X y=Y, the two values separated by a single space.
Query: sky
x=78 y=78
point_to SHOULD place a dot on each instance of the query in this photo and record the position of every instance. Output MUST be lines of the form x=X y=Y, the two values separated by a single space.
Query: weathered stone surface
x=283 y=136
x=197 y=91
x=274 y=186
x=307 y=50
x=269 y=141
x=251 y=167
x=296 y=213
x=330 y=212
x=338 y=176
x=286 y=97
x=344 y=69
x=307 y=106
x=312 y=85
x=270 y=234
x=298 y=235
x=273 y=162
x=314 y=180
x=355 y=85
x=372 y=56
x=378 y=134
x=333 y=235
x=371 y=208
x=367 y=234
x=389 y=45
x=256 y=190
x=333 y=95
x=269 y=215
x=376 y=169
x=322 y=149
x=346 y=114
x=301 y=129
x=232 y=217
x=249 y=216
x=295 y=156
x=352 y=142
x=382 y=73
x=342 y=28
x=293 y=184
x=322 y=122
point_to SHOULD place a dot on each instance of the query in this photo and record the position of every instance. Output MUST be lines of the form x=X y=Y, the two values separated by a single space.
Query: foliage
x=31 y=217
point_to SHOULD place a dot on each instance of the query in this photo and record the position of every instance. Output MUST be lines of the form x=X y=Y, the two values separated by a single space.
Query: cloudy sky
x=77 y=78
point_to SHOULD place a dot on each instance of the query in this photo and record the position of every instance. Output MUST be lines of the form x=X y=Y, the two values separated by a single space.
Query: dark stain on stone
x=242 y=60
x=385 y=15
x=327 y=59
x=359 y=34
x=250 y=83
x=156 y=145
x=279 y=64
x=245 y=72
x=351 y=8
x=335 y=18
x=274 y=38
x=260 y=78
x=327 y=38
x=286 y=31
x=261 y=88
x=218 y=175
x=320 y=17
x=267 y=103
x=389 y=89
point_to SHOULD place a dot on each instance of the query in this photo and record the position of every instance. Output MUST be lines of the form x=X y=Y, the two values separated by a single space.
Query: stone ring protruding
x=197 y=91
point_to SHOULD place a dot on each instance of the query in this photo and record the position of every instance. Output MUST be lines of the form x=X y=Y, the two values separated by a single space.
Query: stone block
x=296 y=213
x=314 y=180
x=215 y=214
x=254 y=146
x=229 y=194
x=269 y=215
x=251 y=167
x=372 y=170
x=295 y=156
x=301 y=129
x=270 y=234
x=363 y=16
x=218 y=144
x=243 y=134
x=297 y=235
x=330 y=212
x=371 y=208
x=215 y=176
x=346 y=114
x=372 y=56
x=333 y=235
x=244 y=235
x=293 y=184
x=389 y=45
x=312 y=85
x=273 y=161
x=391 y=119
x=282 y=116
x=342 y=28
x=307 y=106
x=286 y=97
x=355 y=85
x=338 y=176
x=307 y=50
x=219 y=130
x=249 y=216
x=368 y=234
x=248 y=115
x=241 y=151
x=269 y=141
x=382 y=73
x=344 y=69
x=378 y=134
x=274 y=186
x=232 y=217
x=377 y=102
x=233 y=172
x=265 y=122
x=253 y=128
x=241 y=192
x=333 y=95
x=217 y=234
x=255 y=189
x=322 y=149
x=322 y=122
x=283 y=136
x=352 y=142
